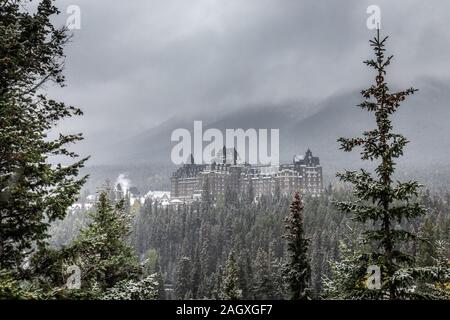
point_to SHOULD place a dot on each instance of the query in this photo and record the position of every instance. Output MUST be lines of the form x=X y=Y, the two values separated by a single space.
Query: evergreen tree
x=143 y=226
x=10 y=288
x=161 y=292
x=278 y=280
x=215 y=283
x=34 y=191
x=264 y=287
x=151 y=267
x=183 y=278
x=379 y=200
x=440 y=286
x=316 y=263
x=101 y=250
x=245 y=274
x=197 y=276
x=348 y=273
x=230 y=286
x=297 y=270
x=427 y=249
x=131 y=289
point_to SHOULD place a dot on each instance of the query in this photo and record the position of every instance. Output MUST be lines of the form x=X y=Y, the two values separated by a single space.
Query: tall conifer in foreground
x=379 y=199
x=33 y=191
x=297 y=270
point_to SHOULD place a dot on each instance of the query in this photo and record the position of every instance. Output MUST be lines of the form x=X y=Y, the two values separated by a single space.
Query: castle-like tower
x=303 y=175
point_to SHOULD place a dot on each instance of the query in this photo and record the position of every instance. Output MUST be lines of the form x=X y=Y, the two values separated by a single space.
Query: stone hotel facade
x=303 y=175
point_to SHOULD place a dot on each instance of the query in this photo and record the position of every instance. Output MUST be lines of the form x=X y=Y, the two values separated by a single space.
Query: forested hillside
x=191 y=244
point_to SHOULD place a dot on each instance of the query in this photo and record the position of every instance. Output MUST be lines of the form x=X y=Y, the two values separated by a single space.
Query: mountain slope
x=424 y=119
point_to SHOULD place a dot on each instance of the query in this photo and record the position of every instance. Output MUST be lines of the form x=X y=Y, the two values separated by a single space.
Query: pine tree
x=379 y=200
x=297 y=270
x=33 y=190
x=230 y=286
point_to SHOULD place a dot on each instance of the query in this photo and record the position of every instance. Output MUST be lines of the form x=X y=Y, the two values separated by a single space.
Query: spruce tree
x=151 y=266
x=347 y=279
x=131 y=289
x=379 y=199
x=297 y=270
x=34 y=191
x=102 y=251
x=230 y=286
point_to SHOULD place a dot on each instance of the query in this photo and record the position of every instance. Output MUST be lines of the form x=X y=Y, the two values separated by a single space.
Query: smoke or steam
x=124 y=182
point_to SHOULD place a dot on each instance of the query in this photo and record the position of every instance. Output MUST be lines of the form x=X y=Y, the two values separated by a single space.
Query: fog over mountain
x=423 y=119
x=294 y=66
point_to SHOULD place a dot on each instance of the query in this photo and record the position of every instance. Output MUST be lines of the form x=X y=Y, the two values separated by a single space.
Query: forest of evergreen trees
x=189 y=247
x=193 y=243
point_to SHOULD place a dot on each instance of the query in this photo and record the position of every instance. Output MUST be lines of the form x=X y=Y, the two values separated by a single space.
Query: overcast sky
x=136 y=63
